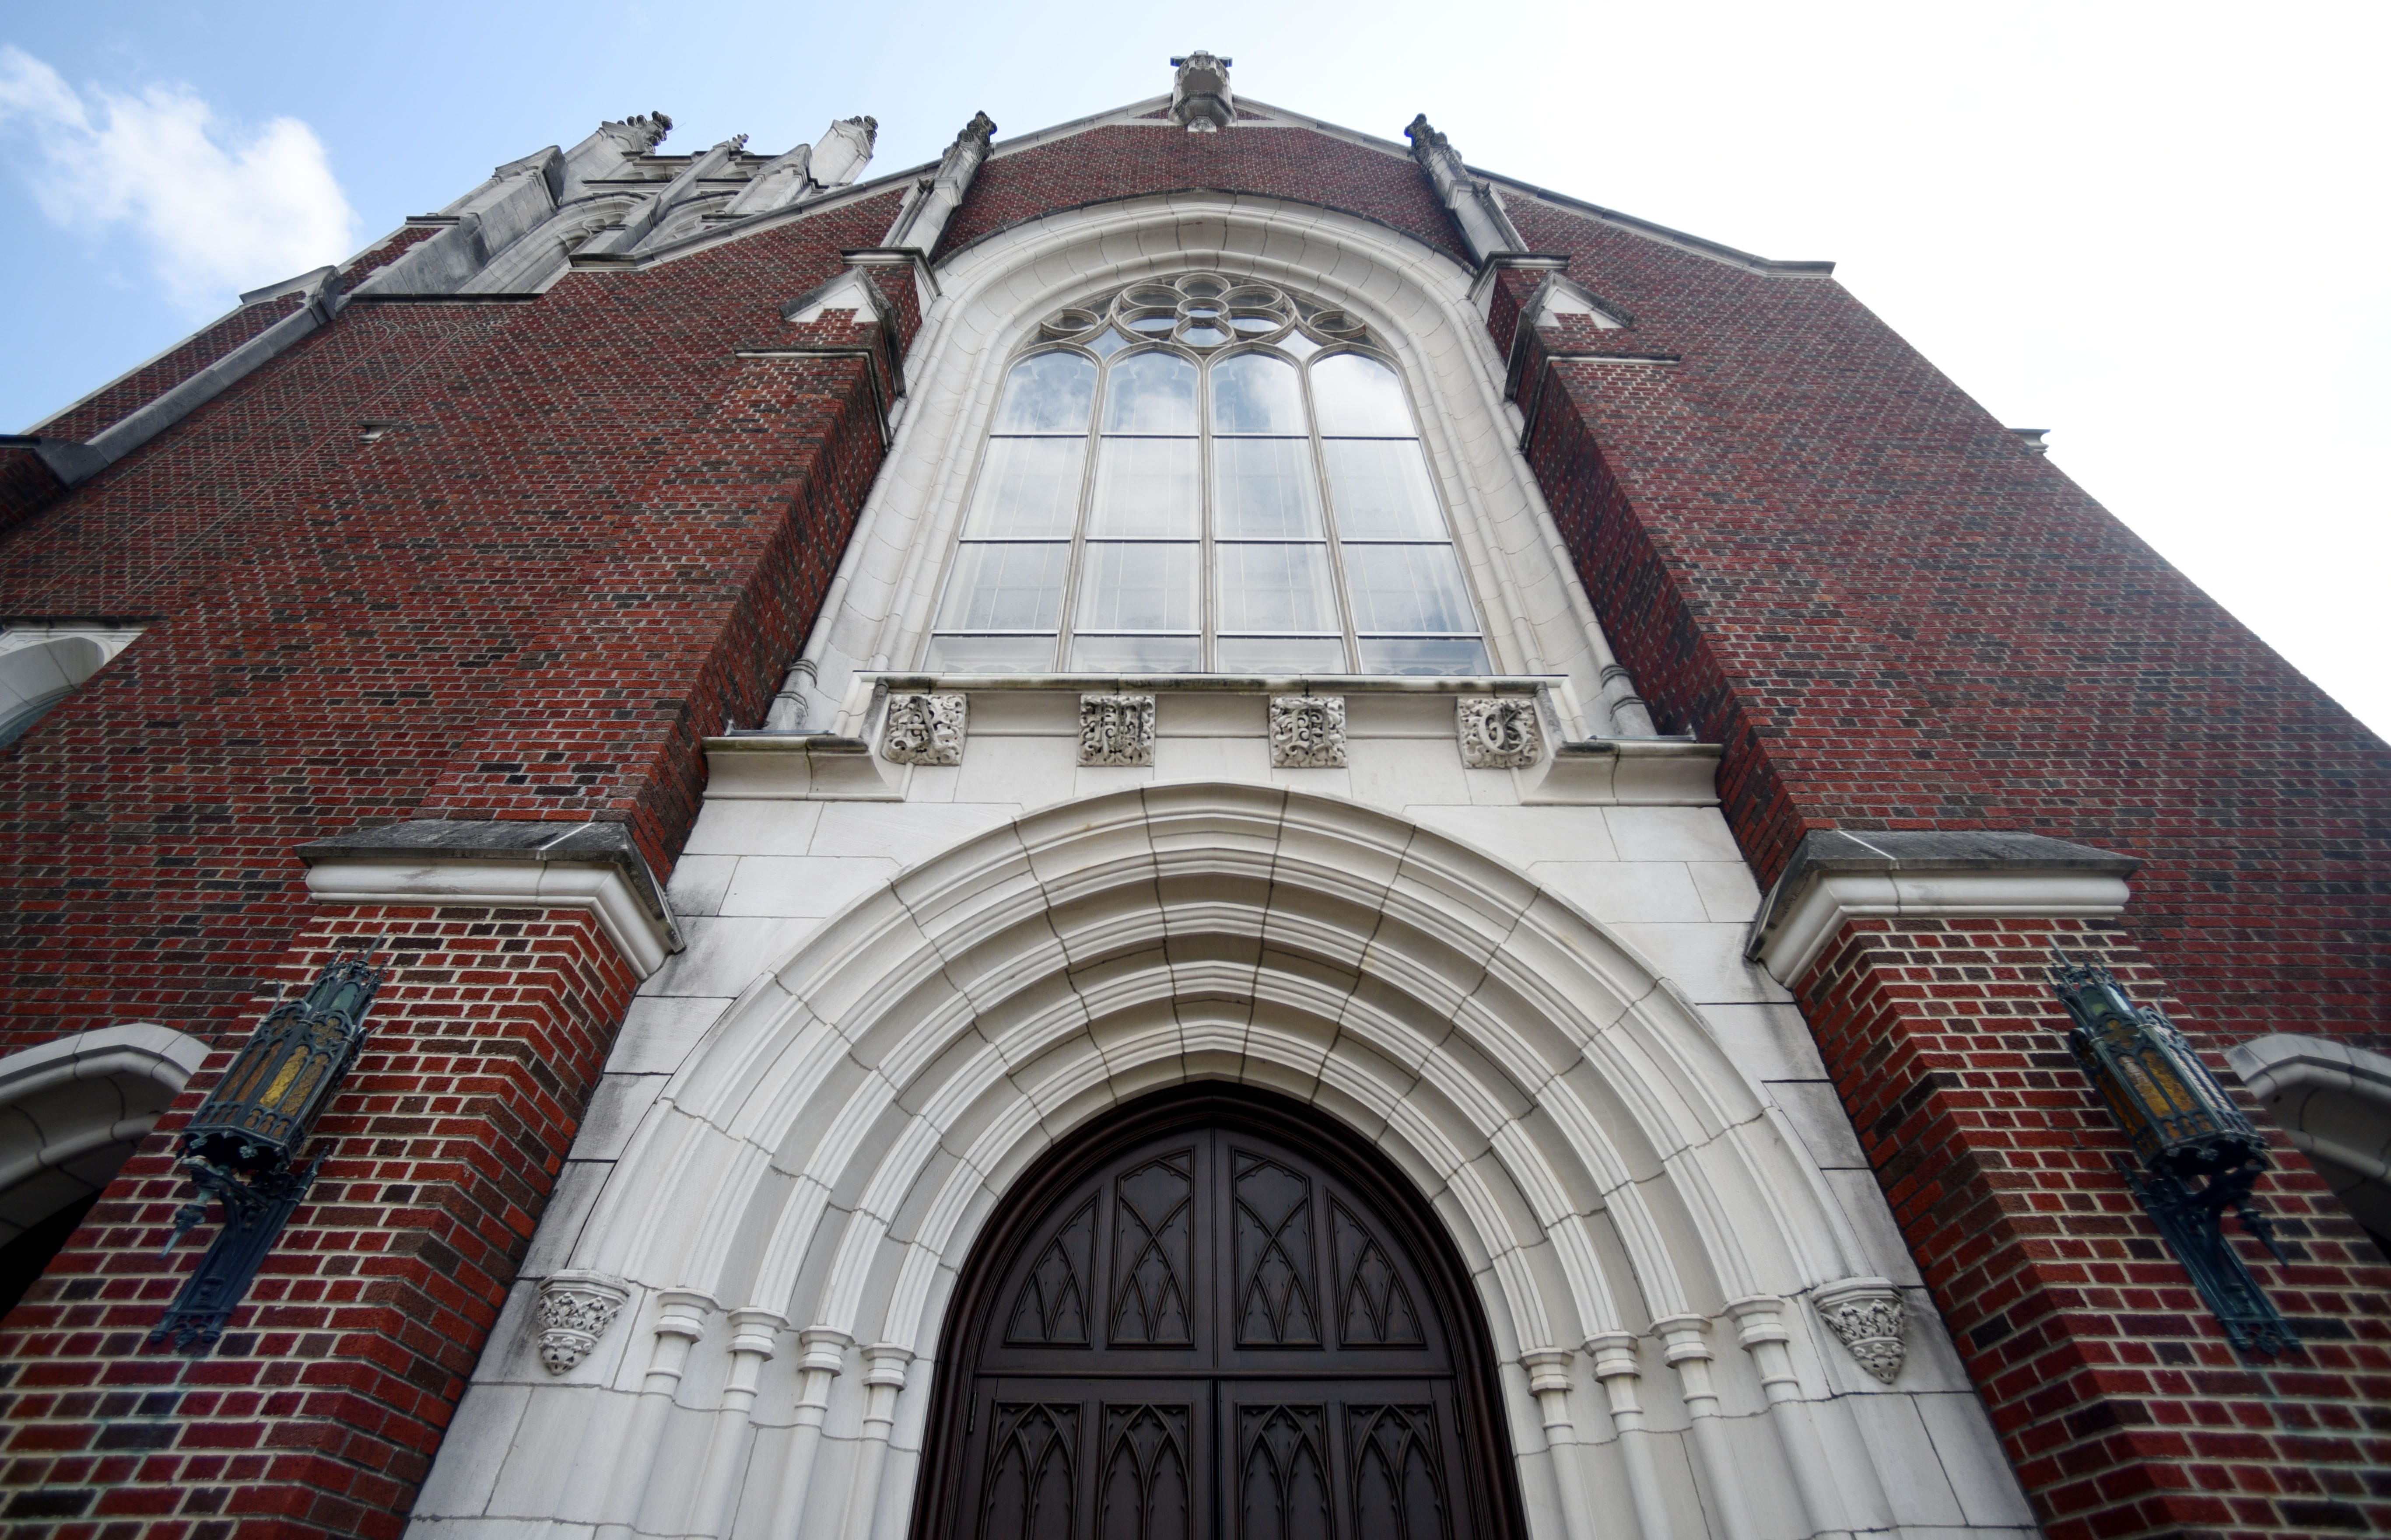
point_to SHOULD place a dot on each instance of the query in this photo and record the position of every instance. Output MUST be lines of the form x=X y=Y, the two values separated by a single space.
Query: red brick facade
x=589 y=528
x=319 y=1412
x=2115 y=1389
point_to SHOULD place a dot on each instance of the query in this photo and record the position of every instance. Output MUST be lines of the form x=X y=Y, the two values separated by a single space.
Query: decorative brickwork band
x=1866 y=1317
x=576 y=1308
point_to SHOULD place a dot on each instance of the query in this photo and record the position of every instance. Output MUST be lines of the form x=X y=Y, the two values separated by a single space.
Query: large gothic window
x=1205 y=476
x=1209 y=1322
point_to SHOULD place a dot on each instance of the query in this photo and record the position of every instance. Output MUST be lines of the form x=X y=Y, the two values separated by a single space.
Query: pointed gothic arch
x=1333 y=1301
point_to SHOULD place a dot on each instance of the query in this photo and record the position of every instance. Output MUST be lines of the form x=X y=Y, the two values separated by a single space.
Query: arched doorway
x=1215 y=1314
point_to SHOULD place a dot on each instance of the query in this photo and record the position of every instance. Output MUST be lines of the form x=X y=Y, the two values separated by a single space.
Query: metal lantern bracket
x=2198 y=1155
x=243 y=1147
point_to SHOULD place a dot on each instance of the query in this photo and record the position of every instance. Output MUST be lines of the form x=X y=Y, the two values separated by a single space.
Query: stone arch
x=823 y=1161
x=73 y=1110
x=1417 y=302
x=36 y=677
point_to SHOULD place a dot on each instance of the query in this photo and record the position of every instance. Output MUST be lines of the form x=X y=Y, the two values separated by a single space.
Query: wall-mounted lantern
x=2199 y=1155
x=242 y=1145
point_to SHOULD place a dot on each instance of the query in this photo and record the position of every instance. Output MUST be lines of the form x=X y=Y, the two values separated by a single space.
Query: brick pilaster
x=319 y=1412
x=2123 y=1406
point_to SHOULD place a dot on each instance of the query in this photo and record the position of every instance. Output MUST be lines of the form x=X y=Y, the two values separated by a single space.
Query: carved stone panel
x=1499 y=731
x=1307 y=732
x=574 y=1311
x=1865 y=1314
x=925 y=729
x=1116 y=729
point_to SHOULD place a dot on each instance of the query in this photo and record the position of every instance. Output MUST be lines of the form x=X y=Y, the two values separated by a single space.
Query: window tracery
x=1199 y=475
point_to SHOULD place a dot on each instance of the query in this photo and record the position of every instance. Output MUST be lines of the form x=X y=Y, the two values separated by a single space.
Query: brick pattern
x=2119 y=1399
x=1107 y=164
x=1812 y=548
x=27 y=486
x=319 y=1412
x=146 y=382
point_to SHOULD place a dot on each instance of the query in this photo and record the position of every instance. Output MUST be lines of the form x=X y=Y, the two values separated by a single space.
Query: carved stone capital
x=925 y=729
x=1116 y=729
x=1499 y=731
x=1307 y=732
x=1866 y=1314
x=574 y=1311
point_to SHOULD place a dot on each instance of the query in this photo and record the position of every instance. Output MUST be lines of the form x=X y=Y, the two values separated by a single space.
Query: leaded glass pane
x=1151 y=393
x=1356 y=394
x=1279 y=655
x=1047 y=394
x=1028 y=488
x=1274 y=587
x=1137 y=585
x=1381 y=490
x=992 y=654
x=1136 y=654
x=1264 y=489
x=1452 y=657
x=1401 y=588
x=1145 y=487
x=1256 y=393
x=1008 y=586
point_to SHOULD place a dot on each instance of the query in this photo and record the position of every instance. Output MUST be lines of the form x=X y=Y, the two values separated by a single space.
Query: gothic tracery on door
x=1218 y=1327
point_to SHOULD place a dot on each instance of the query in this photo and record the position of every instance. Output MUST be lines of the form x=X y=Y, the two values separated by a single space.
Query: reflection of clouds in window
x=1048 y=393
x=1198 y=535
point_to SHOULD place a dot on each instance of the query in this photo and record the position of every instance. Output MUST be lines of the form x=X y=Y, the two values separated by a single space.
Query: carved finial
x=982 y=127
x=648 y=128
x=1426 y=141
x=736 y=143
x=1199 y=94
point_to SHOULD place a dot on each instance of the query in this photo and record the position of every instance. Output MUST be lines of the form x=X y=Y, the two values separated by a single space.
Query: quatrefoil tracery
x=1202 y=311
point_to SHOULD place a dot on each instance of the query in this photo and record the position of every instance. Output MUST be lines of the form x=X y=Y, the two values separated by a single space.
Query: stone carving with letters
x=1865 y=1314
x=925 y=729
x=1307 y=732
x=574 y=1310
x=1116 y=729
x=1499 y=733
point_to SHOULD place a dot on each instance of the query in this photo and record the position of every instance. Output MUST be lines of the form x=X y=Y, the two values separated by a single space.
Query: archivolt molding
x=73 y=1109
x=1417 y=303
x=830 y=1150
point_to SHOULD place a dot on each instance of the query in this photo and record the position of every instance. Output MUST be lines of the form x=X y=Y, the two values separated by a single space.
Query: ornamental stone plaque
x=1307 y=732
x=1116 y=729
x=1499 y=731
x=574 y=1310
x=925 y=729
x=1865 y=1314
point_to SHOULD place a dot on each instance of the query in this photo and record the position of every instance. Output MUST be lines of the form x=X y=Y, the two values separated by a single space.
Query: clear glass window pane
x=1151 y=393
x=1398 y=588
x=992 y=654
x=1048 y=393
x=1279 y=655
x=1136 y=654
x=1356 y=394
x=1463 y=657
x=1381 y=491
x=1263 y=489
x=1006 y=587
x=1028 y=488
x=1145 y=487
x=1256 y=393
x=1276 y=587
x=1137 y=585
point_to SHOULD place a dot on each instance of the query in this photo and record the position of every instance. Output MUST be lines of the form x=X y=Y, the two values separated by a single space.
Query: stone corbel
x=1867 y=1316
x=574 y=1310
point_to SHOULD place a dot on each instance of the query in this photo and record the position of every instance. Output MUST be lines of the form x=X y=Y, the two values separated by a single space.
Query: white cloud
x=221 y=210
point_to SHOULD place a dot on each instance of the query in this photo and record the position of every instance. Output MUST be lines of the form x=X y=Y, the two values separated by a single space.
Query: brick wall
x=2118 y=1397
x=1813 y=547
x=318 y=1412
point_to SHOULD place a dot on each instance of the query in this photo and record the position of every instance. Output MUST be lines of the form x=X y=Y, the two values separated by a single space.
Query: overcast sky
x=2157 y=230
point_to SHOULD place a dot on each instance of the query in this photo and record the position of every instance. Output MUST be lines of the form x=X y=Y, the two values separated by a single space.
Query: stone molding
x=503 y=863
x=574 y=1310
x=1117 y=730
x=1499 y=731
x=803 y=766
x=1866 y=1316
x=925 y=729
x=2332 y=1100
x=1838 y=875
x=1307 y=732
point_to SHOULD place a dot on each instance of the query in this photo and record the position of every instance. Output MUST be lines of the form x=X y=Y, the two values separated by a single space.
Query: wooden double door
x=1223 y=1327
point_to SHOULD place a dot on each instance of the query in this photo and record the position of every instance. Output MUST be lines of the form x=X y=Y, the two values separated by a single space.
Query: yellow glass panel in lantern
x=2173 y=1111
x=262 y=1110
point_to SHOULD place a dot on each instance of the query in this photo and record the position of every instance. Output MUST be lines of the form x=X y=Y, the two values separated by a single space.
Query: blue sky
x=2155 y=229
